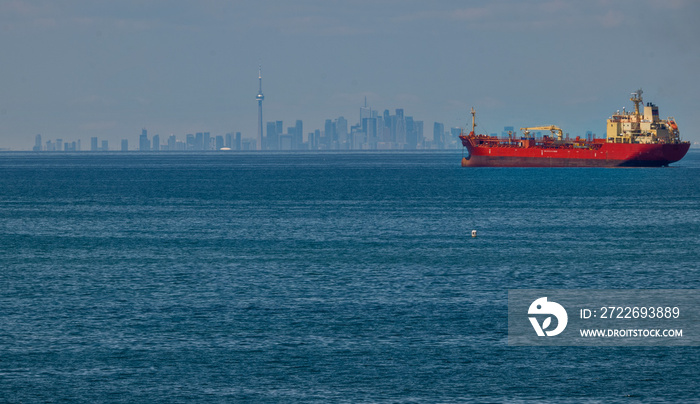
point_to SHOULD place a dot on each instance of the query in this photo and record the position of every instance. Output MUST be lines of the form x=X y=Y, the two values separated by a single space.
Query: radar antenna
x=636 y=99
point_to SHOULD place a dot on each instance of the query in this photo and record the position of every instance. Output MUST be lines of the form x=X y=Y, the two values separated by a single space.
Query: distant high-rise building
x=280 y=129
x=411 y=135
x=330 y=136
x=229 y=140
x=382 y=132
x=438 y=135
x=369 y=128
x=392 y=127
x=172 y=143
x=144 y=143
x=260 y=97
x=316 y=139
x=93 y=144
x=358 y=136
x=420 y=139
x=400 y=128
x=189 y=142
x=37 y=143
x=105 y=145
x=156 y=142
x=238 y=141
x=272 y=136
x=199 y=141
x=125 y=145
x=59 y=144
x=219 y=142
x=298 y=140
x=206 y=141
x=341 y=129
x=365 y=111
x=248 y=144
x=285 y=142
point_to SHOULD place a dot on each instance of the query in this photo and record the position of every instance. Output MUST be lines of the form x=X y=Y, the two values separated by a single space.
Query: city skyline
x=84 y=69
x=373 y=131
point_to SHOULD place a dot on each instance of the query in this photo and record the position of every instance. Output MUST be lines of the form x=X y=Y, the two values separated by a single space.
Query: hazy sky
x=80 y=68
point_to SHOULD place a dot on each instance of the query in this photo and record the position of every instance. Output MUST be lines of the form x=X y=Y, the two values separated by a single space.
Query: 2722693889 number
x=639 y=312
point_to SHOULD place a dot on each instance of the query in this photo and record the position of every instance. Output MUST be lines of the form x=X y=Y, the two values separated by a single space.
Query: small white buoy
x=473 y=233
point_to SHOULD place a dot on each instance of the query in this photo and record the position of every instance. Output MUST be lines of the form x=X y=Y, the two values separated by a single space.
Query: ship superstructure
x=645 y=128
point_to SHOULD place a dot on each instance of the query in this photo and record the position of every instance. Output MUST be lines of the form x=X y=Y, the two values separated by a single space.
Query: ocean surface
x=327 y=277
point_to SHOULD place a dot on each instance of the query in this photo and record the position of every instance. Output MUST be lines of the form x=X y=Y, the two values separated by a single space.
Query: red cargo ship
x=634 y=139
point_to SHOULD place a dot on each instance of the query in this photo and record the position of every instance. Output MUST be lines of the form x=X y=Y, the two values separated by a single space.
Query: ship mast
x=473 y=120
x=636 y=99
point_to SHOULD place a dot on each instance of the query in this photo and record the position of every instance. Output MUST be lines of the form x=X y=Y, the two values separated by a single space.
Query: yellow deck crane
x=551 y=128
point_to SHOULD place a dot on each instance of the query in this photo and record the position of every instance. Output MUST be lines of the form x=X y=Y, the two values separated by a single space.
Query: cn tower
x=260 y=97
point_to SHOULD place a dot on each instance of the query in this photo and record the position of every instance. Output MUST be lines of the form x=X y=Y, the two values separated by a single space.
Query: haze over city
x=82 y=69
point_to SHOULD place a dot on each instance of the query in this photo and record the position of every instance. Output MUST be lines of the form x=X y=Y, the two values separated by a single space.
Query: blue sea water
x=327 y=277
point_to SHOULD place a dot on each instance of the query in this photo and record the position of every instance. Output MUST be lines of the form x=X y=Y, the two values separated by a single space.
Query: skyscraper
x=298 y=135
x=190 y=141
x=365 y=112
x=272 y=136
x=411 y=135
x=369 y=128
x=418 y=125
x=280 y=128
x=329 y=134
x=37 y=143
x=438 y=135
x=260 y=97
x=199 y=141
x=341 y=128
x=144 y=143
x=400 y=129
x=206 y=141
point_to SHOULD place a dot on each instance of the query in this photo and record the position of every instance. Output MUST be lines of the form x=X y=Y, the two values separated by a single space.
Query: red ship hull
x=598 y=155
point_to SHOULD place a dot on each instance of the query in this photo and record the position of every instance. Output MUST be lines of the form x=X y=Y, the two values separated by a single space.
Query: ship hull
x=608 y=155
